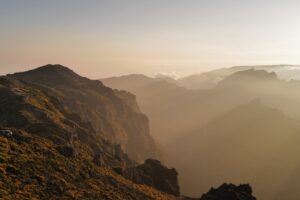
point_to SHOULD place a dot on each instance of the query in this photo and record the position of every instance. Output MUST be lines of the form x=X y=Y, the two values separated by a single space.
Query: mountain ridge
x=89 y=99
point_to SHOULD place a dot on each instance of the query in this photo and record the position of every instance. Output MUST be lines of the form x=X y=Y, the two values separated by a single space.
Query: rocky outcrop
x=154 y=174
x=229 y=192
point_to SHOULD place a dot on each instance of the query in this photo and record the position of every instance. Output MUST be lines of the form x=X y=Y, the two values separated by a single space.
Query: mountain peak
x=253 y=73
x=256 y=72
x=49 y=69
x=52 y=75
x=249 y=76
x=54 y=67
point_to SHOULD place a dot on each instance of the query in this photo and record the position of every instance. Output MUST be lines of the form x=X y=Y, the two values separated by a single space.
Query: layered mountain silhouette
x=245 y=128
x=74 y=138
x=208 y=80
x=252 y=143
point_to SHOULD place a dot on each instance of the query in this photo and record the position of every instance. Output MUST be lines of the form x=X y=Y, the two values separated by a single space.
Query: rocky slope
x=112 y=114
x=31 y=167
x=56 y=152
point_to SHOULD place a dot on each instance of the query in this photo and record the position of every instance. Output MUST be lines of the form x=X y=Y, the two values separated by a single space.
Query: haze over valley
x=243 y=128
x=149 y=100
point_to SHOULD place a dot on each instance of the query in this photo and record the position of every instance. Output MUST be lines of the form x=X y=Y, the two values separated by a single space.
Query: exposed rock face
x=154 y=174
x=229 y=192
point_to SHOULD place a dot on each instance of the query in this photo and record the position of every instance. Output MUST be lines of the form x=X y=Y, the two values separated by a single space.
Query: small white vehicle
x=6 y=133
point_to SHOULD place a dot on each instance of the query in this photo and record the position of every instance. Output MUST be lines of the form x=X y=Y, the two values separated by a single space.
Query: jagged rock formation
x=154 y=174
x=229 y=192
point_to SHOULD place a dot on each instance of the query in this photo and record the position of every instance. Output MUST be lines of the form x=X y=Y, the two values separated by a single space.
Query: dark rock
x=229 y=192
x=154 y=174
x=118 y=170
x=100 y=160
x=12 y=170
x=66 y=151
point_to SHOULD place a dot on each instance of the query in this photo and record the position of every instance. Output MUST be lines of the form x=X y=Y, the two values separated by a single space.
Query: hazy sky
x=103 y=38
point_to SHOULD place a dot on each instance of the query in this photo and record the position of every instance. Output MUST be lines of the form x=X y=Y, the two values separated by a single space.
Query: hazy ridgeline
x=242 y=126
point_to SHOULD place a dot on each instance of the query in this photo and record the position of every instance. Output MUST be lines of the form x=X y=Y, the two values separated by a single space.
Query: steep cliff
x=113 y=115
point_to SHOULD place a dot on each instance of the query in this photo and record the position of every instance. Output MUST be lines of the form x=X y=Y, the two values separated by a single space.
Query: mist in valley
x=243 y=128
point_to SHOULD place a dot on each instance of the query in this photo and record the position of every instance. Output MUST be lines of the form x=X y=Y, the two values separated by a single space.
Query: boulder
x=229 y=192
x=154 y=174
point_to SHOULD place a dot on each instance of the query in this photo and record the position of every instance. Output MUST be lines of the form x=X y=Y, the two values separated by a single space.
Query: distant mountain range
x=208 y=80
x=243 y=125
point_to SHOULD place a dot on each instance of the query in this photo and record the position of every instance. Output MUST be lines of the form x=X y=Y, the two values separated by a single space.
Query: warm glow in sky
x=113 y=37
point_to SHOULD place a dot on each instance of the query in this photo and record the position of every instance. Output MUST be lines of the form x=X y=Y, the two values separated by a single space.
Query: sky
x=102 y=38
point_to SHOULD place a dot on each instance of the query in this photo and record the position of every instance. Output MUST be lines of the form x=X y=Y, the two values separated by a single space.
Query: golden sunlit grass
x=29 y=174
